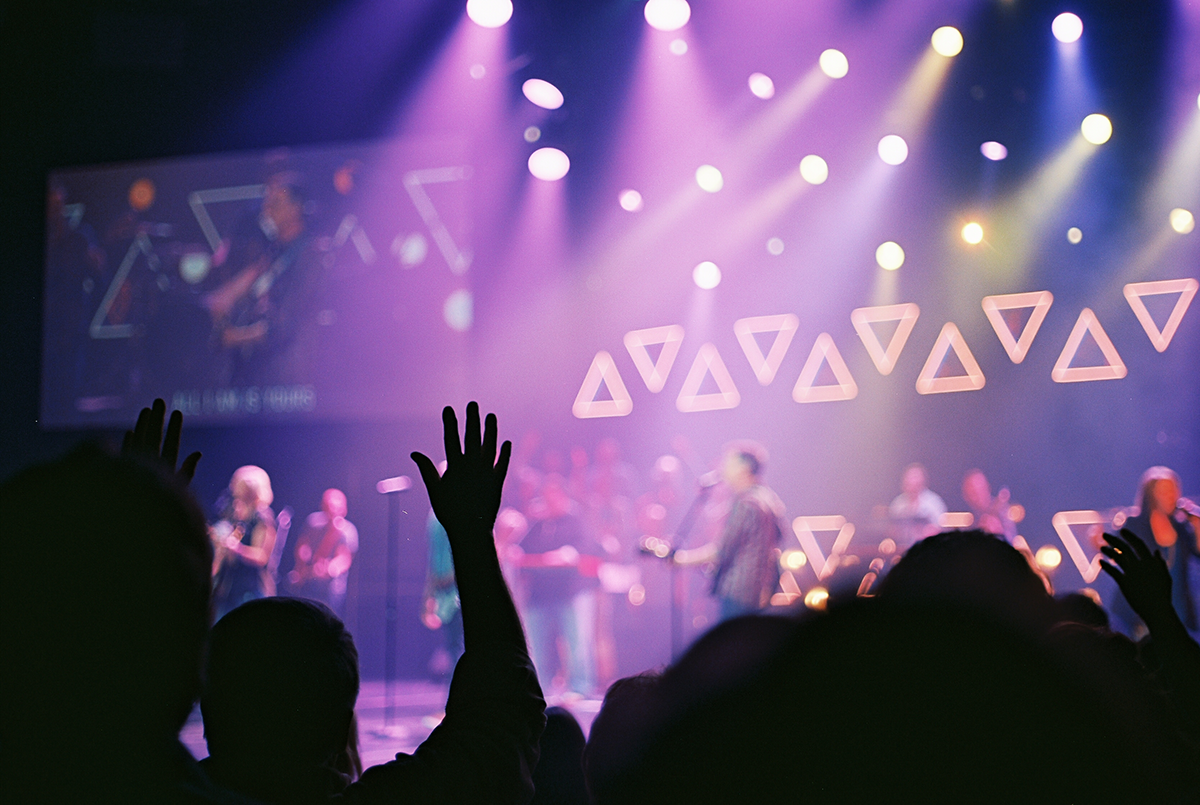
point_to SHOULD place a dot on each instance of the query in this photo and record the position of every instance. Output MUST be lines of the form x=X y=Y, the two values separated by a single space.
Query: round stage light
x=630 y=200
x=709 y=178
x=816 y=598
x=775 y=246
x=793 y=560
x=533 y=134
x=667 y=15
x=677 y=47
x=762 y=86
x=489 y=13
x=1074 y=235
x=459 y=310
x=993 y=150
x=194 y=267
x=1048 y=558
x=889 y=255
x=947 y=41
x=1096 y=129
x=893 y=150
x=477 y=71
x=1067 y=27
x=549 y=164
x=813 y=169
x=972 y=233
x=1182 y=221
x=141 y=194
x=707 y=275
x=542 y=93
x=834 y=63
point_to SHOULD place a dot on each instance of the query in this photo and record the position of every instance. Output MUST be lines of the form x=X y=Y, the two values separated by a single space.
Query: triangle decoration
x=654 y=373
x=602 y=370
x=1062 y=522
x=1063 y=372
x=784 y=326
x=929 y=383
x=708 y=361
x=1134 y=291
x=863 y=317
x=1040 y=301
x=803 y=528
x=824 y=350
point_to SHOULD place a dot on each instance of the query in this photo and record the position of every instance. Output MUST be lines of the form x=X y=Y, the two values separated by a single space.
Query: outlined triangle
x=1040 y=301
x=784 y=326
x=1062 y=524
x=929 y=383
x=803 y=528
x=654 y=373
x=602 y=370
x=863 y=317
x=1134 y=291
x=1063 y=372
x=708 y=361
x=824 y=351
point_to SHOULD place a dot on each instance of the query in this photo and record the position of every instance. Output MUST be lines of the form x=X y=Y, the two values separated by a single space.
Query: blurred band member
x=1158 y=518
x=991 y=513
x=917 y=511
x=324 y=553
x=243 y=540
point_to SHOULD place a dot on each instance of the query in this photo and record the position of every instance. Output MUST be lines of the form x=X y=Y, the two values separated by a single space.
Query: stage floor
x=418 y=708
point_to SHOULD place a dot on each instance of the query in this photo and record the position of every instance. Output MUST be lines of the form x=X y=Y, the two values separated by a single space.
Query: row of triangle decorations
x=708 y=363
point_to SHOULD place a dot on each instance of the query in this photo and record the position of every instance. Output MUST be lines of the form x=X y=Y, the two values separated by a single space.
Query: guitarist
x=324 y=553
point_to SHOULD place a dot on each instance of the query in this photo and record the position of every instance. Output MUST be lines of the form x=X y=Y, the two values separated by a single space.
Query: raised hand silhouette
x=1142 y=576
x=146 y=441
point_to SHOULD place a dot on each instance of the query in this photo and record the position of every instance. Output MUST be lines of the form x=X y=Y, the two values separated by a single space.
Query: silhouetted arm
x=145 y=438
x=485 y=749
x=1145 y=581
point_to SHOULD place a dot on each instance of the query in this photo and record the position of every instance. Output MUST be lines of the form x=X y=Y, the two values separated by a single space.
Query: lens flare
x=630 y=200
x=972 y=233
x=775 y=246
x=834 y=63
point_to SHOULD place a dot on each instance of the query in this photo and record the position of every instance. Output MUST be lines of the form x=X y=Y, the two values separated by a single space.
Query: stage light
x=889 y=255
x=972 y=233
x=834 y=63
x=707 y=275
x=761 y=85
x=1074 y=235
x=793 y=560
x=630 y=200
x=813 y=169
x=489 y=13
x=1067 y=27
x=816 y=598
x=637 y=595
x=667 y=15
x=542 y=93
x=549 y=164
x=194 y=267
x=709 y=178
x=459 y=310
x=993 y=150
x=1048 y=558
x=141 y=195
x=947 y=41
x=477 y=71
x=775 y=246
x=1182 y=221
x=533 y=134
x=893 y=150
x=678 y=47
x=1096 y=129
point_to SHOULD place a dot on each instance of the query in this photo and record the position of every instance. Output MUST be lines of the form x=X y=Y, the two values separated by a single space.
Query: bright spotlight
x=549 y=164
x=775 y=246
x=667 y=15
x=1182 y=221
x=947 y=41
x=1048 y=558
x=707 y=275
x=489 y=13
x=458 y=311
x=1067 y=27
x=834 y=63
x=816 y=598
x=893 y=150
x=709 y=178
x=1096 y=129
x=889 y=255
x=1074 y=235
x=793 y=560
x=993 y=150
x=813 y=169
x=630 y=200
x=542 y=93
x=762 y=86
x=972 y=233
x=677 y=47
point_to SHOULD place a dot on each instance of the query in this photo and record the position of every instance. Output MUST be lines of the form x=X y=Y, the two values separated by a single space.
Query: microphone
x=401 y=483
x=1188 y=506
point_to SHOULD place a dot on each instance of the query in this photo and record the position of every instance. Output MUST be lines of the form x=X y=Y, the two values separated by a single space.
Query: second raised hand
x=467 y=495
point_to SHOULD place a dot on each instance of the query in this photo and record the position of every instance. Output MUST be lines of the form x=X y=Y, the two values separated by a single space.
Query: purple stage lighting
x=667 y=15
x=549 y=164
x=542 y=93
x=490 y=13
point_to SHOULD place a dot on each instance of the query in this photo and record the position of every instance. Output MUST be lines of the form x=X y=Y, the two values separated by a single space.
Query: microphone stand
x=677 y=592
x=391 y=488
